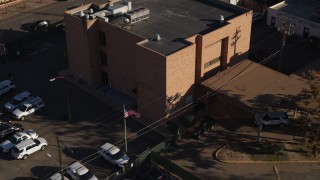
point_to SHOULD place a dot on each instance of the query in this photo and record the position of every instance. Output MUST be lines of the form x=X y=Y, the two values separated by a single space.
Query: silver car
x=272 y=118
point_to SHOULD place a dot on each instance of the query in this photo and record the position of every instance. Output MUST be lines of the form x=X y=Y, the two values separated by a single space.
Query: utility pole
x=286 y=29
x=60 y=158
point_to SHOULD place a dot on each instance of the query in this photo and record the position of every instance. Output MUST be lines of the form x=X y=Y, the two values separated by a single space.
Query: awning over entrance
x=258 y=87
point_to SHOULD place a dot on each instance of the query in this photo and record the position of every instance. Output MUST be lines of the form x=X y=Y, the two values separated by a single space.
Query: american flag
x=131 y=112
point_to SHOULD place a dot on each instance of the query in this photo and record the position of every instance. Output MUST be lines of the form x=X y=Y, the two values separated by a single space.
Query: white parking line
x=29 y=20
x=49 y=44
x=43 y=49
x=34 y=53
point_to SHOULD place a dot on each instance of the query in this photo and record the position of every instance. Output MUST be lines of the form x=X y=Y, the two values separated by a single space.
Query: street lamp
x=67 y=96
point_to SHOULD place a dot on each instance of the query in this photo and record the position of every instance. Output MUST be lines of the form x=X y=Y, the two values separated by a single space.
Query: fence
x=140 y=158
x=172 y=167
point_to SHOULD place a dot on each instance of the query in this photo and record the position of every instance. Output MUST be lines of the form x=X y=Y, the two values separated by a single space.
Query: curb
x=259 y=162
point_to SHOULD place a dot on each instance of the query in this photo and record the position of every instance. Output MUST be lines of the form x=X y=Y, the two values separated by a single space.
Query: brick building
x=155 y=51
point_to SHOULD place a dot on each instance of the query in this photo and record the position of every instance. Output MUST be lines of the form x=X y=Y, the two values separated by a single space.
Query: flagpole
x=125 y=127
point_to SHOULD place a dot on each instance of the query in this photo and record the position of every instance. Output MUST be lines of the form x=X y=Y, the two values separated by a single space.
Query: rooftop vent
x=221 y=19
x=86 y=16
x=81 y=13
x=137 y=15
x=158 y=38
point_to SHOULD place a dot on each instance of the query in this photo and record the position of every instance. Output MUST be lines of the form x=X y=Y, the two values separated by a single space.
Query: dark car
x=40 y=25
x=8 y=129
x=206 y=123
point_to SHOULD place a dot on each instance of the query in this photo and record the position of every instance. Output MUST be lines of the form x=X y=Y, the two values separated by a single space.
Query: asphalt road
x=93 y=123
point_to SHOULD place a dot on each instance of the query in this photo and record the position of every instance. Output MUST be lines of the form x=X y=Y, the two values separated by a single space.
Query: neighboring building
x=155 y=50
x=305 y=15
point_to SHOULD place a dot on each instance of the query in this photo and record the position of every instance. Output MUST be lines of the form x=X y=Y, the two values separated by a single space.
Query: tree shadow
x=44 y=172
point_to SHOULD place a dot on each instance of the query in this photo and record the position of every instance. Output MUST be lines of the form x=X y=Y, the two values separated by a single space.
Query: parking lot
x=93 y=123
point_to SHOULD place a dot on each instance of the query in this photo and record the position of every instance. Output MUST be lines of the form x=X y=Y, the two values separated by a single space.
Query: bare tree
x=311 y=138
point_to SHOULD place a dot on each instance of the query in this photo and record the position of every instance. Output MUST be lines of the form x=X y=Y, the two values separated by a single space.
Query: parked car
x=8 y=129
x=272 y=118
x=206 y=123
x=6 y=86
x=7 y=145
x=78 y=171
x=5 y=118
x=17 y=100
x=57 y=176
x=40 y=25
x=114 y=155
x=30 y=106
x=23 y=149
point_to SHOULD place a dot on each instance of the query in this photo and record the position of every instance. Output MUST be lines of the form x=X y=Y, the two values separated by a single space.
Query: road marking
x=32 y=19
x=49 y=44
x=276 y=172
x=43 y=49
x=34 y=53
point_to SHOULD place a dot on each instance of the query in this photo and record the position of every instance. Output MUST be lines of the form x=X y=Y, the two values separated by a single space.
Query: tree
x=311 y=96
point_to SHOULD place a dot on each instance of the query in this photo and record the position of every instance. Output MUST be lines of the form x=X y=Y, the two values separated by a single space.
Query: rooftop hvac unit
x=81 y=13
x=158 y=38
x=90 y=10
x=86 y=16
x=137 y=15
x=221 y=19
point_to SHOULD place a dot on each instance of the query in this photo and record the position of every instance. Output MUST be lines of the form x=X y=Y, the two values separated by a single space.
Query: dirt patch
x=264 y=151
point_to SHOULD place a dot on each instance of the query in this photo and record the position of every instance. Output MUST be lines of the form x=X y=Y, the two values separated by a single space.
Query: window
x=103 y=58
x=213 y=61
x=102 y=38
x=104 y=77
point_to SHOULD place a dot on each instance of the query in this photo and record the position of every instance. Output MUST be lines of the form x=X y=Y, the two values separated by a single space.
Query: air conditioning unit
x=137 y=15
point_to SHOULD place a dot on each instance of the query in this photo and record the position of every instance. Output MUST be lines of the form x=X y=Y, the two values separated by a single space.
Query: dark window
x=104 y=77
x=102 y=38
x=103 y=58
x=135 y=90
x=213 y=61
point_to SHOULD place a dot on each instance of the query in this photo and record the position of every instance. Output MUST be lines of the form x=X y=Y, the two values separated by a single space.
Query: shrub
x=271 y=148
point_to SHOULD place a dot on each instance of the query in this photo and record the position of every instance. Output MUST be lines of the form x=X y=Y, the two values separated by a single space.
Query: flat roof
x=299 y=8
x=176 y=20
x=258 y=87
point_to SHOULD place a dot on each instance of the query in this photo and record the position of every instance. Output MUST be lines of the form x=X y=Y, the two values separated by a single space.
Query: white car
x=6 y=86
x=17 y=100
x=78 y=171
x=23 y=149
x=30 y=106
x=57 y=176
x=113 y=154
x=17 y=138
x=272 y=118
